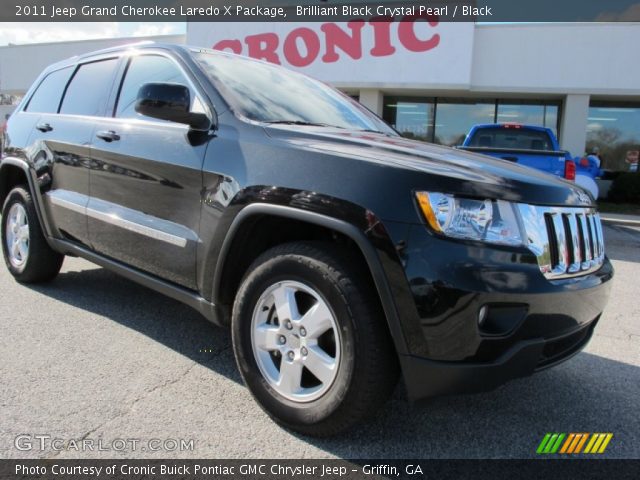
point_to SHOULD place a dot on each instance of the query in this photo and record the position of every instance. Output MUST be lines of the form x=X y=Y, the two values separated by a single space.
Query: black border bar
x=306 y=469
x=488 y=11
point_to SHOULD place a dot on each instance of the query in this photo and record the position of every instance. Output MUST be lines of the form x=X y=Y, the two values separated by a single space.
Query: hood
x=459 y=171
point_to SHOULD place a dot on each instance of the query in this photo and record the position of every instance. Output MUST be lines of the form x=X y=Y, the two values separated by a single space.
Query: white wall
x=573 y=131
x=592 y=58
x=20 y=65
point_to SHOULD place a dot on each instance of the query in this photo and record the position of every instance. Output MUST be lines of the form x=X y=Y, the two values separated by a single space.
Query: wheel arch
x=13 y=172
x=249 y=214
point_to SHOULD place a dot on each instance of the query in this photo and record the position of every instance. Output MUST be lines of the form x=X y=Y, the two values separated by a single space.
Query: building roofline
x=159 y=38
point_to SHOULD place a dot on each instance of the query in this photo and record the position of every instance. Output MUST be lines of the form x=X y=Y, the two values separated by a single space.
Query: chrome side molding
x=123 y=217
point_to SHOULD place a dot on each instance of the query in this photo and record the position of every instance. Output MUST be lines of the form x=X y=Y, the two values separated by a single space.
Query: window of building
x=412 y=117
x=540 y=115
x=89 y=89
x=46 y=98
x=454 y=119
x=615 y=129
x=447 y=121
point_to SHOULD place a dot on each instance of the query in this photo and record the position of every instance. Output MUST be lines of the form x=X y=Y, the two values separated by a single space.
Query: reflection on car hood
x=428 y=158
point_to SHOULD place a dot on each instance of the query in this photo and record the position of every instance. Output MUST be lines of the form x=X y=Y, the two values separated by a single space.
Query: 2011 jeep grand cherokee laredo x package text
x=338 y=252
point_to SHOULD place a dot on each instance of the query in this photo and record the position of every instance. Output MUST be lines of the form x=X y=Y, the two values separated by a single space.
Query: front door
x=145 y=180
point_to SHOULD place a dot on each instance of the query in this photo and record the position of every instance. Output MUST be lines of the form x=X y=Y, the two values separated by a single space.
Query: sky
x=44 y=32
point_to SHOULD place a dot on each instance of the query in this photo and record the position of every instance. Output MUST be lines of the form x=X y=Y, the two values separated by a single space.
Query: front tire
x=310 y=339
x=26 y=252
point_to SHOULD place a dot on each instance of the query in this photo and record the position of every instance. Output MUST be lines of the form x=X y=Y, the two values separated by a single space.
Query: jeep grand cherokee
x=338 y=252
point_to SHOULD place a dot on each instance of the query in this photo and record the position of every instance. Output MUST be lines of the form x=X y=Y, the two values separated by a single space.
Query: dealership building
x=433 y=81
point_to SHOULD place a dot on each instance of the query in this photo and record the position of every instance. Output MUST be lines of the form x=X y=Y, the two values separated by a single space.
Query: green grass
x=624 y=208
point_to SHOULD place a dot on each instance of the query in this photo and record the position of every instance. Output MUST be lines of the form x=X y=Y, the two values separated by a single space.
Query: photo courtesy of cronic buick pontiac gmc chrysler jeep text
x=339 y=253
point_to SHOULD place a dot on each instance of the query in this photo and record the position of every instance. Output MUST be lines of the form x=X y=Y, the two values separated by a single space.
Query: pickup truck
x=535 y=147
x=336 y=252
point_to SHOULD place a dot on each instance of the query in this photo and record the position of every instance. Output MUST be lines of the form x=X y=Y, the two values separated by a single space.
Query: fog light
x=499 y=319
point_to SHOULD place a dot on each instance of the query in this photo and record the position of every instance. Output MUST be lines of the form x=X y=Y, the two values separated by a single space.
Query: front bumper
x=427 y=378
x=534 y=323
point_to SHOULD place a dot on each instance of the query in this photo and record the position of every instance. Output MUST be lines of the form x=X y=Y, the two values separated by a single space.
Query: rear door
x=146 y=179
x=68 y=101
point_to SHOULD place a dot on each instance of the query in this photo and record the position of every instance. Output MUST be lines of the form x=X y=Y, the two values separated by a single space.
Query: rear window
x=89 y=89
x=511 y=139
x=46 y=98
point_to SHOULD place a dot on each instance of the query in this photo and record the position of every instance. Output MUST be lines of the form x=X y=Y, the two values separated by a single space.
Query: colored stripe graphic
x=580 y=438
x=556 y=446
x=573 y=443
x=581 y=443
x=543 y=443
x=596 y=445
x=593 y=439
x=550 y=443
x=604 y=445
x=568 y=443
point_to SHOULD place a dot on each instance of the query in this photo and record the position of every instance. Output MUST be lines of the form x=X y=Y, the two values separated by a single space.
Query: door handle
x=44 y=127
x=108 y=135
x=511 y=159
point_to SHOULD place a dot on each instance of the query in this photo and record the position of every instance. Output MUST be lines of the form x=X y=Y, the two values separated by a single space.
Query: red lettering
x=382 y=37
x=263 y=47
x=311 y=43
x=301 y=47
x=408 y=37
x=234 y=45
x=349 y=44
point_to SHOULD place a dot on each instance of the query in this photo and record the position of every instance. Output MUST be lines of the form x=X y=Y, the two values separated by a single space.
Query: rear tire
x=331 y=363
x=26 y=252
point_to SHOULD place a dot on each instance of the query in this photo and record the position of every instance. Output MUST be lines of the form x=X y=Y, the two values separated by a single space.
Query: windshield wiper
x=301 y=122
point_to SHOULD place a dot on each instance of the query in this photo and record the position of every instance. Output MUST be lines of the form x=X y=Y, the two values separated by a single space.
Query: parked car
x=338 y=252
x=535 y=147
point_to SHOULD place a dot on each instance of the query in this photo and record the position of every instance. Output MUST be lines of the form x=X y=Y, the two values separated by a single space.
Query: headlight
x=493 y=221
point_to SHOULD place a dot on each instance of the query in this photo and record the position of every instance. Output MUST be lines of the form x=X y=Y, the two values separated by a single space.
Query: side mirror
x=170 y=101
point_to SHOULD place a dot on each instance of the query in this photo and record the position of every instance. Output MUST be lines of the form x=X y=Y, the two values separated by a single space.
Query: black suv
x=339 y=252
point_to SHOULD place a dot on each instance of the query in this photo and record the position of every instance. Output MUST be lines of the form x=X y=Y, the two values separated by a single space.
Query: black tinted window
x=46 y=98
x=147 y=69
x=89 y=89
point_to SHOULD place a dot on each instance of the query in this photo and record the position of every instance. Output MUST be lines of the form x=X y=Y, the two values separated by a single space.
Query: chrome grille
x=567 y=241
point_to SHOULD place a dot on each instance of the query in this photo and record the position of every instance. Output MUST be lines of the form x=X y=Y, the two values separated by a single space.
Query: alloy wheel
x=17 y=235
x=296 y=341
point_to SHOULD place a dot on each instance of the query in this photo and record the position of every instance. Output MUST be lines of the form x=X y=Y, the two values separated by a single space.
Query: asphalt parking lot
x=93 y=356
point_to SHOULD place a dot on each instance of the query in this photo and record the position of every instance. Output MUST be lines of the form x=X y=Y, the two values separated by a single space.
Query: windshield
x=268 y=93
x=511 y=139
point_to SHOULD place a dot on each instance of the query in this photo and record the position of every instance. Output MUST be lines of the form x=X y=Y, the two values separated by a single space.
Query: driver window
x=150 y=69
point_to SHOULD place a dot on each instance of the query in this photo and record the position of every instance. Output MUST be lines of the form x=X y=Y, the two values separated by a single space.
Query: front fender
x=352 y=221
